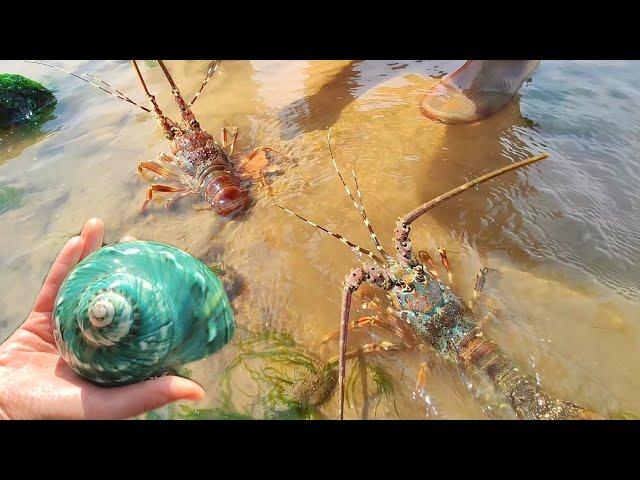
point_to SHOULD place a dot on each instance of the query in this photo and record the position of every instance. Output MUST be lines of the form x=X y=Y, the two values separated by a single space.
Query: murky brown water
x=561 y=238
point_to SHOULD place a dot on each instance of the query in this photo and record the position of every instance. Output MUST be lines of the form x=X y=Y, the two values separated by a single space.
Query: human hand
x=35 y=383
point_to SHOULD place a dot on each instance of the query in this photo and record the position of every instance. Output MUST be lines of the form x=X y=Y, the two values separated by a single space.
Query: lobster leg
x=259 y=168
x=421 y=378
x=478 y=287
x=481 y=277
x=380 y=347
x=225 y=139
x=159 y=188
x=202 y=208
x=168 y=159
x=366 y=322
x=425 y=259
x=173 y=199
x=368 y=273
x=421 y=391
x=256 y=151
x=155 y=167
x=445 y=262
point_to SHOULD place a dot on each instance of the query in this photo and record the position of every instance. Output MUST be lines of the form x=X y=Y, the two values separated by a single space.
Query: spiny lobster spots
x=191 y=140
x=225 y=194
x=474 y=349
x=197 y=151
x=416 y=303
x=423 y=298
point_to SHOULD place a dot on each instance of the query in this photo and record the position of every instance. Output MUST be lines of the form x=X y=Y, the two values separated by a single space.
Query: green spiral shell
x=135 y=310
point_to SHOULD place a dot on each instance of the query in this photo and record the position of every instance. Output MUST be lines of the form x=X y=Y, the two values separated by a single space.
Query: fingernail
x=128 y=238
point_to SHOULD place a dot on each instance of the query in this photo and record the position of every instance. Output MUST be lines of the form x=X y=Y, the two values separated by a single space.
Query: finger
x=92 y=234
x=68 y=257
x=132 y=400
x=128 y=238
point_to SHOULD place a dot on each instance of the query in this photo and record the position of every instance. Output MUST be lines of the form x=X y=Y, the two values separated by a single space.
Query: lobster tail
x=225 y=194
x=482 y=355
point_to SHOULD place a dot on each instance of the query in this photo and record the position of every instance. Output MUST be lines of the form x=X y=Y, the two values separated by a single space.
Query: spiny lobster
x=199 y=165
x=434 y=312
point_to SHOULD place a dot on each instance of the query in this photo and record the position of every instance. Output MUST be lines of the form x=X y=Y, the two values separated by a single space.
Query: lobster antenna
x=354 y=247
x=360 y=206
x=213 y=67
x=425 y=207
x=112 y=91
x=187 y=115
x=169 y=126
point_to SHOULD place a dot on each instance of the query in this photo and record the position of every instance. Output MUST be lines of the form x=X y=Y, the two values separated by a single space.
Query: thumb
x=132 y=400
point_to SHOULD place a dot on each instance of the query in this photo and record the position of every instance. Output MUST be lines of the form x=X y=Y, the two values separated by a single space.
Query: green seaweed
x=381 y=379
x=10 y=198
x=188 y=413
x=286 y=382
x=22 y=99
x=384 y=385
x=296 y=412
x=276 y=364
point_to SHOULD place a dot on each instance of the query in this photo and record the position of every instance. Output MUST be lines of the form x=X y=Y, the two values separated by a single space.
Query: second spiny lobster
x=198 y=164
x=436 y=315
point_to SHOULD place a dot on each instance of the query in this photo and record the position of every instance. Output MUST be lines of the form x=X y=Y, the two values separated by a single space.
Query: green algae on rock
x=136 y=310
x=21 y=99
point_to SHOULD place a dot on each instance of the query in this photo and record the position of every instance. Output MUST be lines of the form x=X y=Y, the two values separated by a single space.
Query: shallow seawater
x=561 y=238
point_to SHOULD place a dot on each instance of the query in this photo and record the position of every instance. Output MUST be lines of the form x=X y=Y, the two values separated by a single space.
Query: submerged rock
x=21 y=99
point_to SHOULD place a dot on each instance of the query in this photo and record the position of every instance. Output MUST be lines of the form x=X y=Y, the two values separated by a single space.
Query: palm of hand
x=35 y=383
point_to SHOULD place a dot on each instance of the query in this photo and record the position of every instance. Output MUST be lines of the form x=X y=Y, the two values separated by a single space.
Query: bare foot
x=476 y=90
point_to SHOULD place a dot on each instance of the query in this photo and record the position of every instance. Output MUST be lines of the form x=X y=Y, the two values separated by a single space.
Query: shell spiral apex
x=135 y=310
